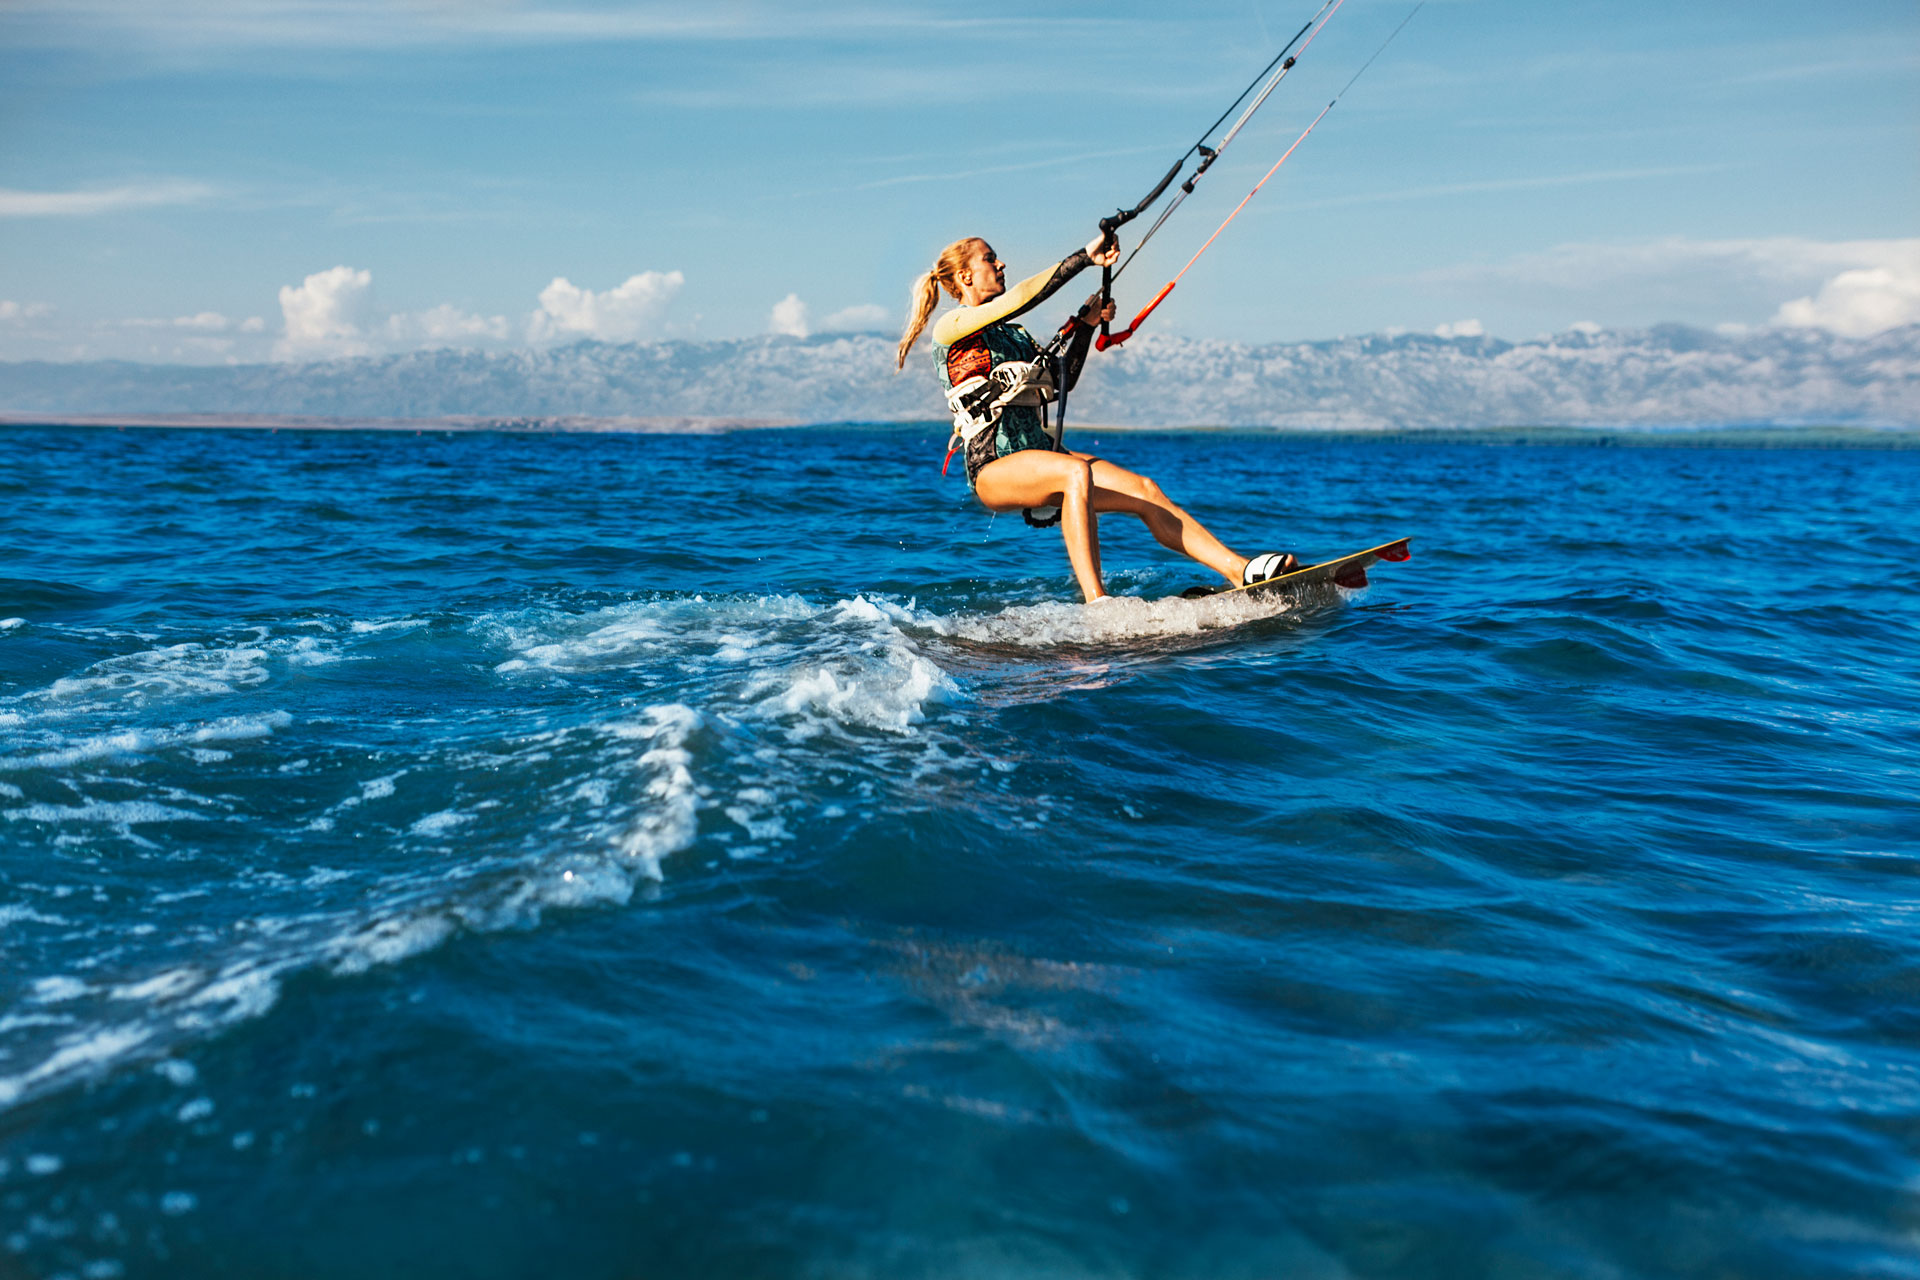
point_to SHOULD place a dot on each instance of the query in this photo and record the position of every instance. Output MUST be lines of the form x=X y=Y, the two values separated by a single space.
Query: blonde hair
x=926 y=291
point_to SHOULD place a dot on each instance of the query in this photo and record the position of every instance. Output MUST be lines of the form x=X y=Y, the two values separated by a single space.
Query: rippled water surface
x=735 y=855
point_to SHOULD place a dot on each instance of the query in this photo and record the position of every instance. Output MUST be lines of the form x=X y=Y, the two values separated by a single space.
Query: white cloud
x=1587 y=265
x=1849 y=286
x=865 y=315
x=80 y=204
x=789 y=317
x=446 y=325
x=21 y=312
x=1460 y=329
x=253 y=324
x=623 y=314
x=323 y=316
x=1863 y=301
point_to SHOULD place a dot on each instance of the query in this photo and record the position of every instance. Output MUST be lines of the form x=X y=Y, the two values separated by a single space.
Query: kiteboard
x=1345 y=571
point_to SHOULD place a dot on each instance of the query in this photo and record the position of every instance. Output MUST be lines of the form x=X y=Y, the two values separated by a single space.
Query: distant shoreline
x=1629 y=436
x=461 y=422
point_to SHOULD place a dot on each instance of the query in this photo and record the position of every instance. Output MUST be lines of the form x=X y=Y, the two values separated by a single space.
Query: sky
x=214 y=181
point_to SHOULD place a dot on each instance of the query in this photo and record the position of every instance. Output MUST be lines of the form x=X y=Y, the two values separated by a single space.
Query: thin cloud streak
x=87 y=204
x=1025 y=166
x=364 y=24
x=1507 y=184
x=1823 y=70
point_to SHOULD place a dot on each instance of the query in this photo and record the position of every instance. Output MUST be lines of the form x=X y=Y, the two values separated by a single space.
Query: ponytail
x=926 y=293
x=920 y=305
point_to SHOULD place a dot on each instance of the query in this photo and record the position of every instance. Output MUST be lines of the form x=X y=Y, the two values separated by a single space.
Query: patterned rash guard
x=972 y=341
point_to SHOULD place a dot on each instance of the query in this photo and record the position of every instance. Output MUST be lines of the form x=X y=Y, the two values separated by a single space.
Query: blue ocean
x=739 y=855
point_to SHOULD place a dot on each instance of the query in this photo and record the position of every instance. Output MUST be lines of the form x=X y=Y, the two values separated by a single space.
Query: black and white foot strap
x=1271 y=564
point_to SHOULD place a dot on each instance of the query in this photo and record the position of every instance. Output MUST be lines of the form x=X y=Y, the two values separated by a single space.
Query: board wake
x=1345 y=571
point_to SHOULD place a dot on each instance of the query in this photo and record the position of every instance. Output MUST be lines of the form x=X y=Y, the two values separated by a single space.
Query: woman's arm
x=1016 y=301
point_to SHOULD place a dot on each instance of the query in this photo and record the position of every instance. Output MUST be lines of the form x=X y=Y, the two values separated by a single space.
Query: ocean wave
x=481 y=828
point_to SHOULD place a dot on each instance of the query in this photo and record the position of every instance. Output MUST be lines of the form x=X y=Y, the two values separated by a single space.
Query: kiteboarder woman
x=998 y=383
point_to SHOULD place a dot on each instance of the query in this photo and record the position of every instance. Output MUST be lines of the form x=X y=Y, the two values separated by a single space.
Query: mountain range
x=1668 y=375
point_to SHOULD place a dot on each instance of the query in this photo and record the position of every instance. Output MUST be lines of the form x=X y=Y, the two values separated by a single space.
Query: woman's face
x=984 y=276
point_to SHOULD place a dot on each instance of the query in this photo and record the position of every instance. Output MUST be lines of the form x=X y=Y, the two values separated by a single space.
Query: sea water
x=497 y=855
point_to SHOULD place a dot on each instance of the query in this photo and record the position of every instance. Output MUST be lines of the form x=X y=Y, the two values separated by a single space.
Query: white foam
x=616 y=640
x=311 y=651
x=21 y=1021
x=176 y=1071
x=873 y=679
x=756 y=811
x=20 y=913
x=148 y=1014
x=246 y=990
x=620 y=635
x=144 y=741
x=1114 y=620
x=241 y=728
x=389 y=940
x=161 y=986
x=113 y=744
x=438 y=824
x=671 y=819
x=119 y=813
x=58 y=989
x=89 y=1050
x=179 y=670
x=8 y=624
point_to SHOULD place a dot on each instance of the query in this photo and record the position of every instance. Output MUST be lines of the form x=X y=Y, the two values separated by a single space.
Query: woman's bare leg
x=1117 y=489
x=1083 y=486
x=1039 y=478
x=1093 y=541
